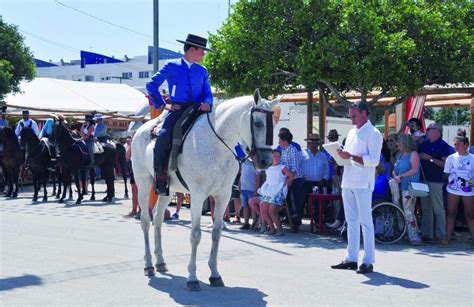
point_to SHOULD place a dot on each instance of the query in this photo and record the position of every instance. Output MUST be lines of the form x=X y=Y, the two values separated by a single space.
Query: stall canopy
x=54 y=95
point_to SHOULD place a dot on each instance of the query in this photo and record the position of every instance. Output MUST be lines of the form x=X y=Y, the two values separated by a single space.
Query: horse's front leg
x=196 y=212
x=219 y=210
x=158 y=222
x=92 y=175
x=143 y=200
x=60 y=182
x=9 y=179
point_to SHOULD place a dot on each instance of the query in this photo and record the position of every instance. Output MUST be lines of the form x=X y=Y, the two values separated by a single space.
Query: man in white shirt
x=363 y=146
x=26 y=121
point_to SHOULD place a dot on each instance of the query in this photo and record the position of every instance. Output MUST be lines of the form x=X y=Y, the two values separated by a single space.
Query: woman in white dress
x=273 y=192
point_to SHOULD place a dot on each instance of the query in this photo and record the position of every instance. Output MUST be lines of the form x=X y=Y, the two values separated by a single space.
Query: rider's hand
x=205 y=107
x=172 y=107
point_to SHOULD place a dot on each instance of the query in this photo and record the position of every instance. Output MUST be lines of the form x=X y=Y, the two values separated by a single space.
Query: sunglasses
x=431 y=128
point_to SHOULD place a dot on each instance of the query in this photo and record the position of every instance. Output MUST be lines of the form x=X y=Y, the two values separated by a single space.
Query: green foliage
x=396 y=46
x=16 y=60
x=452 y=116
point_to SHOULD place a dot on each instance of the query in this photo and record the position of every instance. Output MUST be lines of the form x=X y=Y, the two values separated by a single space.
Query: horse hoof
x=57 y=196
x=125 y=196
x=78 y=202
x=92 y=198
x=8 y=195
x=14 y=195
x=45 y=199
x=193 y=285
x=216 y=282
x=149 y=271
x=61 y=201
x=35 y=199
x=161 y=267
x=105 y=199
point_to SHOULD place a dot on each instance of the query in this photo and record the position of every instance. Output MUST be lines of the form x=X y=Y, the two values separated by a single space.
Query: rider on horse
x=3 y=120
x=100 y=129
x=188 y=84
x=26 y=121
x=87 y=135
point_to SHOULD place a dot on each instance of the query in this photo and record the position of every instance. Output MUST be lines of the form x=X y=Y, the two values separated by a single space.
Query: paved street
x=57 y=254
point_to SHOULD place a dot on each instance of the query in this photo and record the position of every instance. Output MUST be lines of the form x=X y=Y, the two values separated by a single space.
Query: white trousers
x=358 y=211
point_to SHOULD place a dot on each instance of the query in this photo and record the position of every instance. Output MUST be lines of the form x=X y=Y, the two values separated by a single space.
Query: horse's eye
x=259 y=124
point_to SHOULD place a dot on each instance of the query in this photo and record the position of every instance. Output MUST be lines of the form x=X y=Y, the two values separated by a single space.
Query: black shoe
x=161 y=183
x=245 y=227
x=345 y=266
x=364 y=269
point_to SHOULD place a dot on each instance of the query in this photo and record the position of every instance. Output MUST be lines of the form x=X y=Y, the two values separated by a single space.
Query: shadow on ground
x=175 y=287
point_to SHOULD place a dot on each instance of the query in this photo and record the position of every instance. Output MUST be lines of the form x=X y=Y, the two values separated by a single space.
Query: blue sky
x=74 y=31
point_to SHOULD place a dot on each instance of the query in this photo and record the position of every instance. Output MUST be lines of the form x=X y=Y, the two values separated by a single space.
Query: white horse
x=209 y=169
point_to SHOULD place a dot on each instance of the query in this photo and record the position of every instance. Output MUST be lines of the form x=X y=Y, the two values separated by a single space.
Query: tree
x=452 y=116
x=16 y=60
x=394 y=46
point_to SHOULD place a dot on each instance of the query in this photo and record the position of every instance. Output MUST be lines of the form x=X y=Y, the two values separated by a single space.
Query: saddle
x=51 y=148
x=98 y=148
x=180 y=132
x=84 y=151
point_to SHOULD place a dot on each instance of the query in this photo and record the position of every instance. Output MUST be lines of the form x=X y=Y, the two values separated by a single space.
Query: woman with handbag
x=407 y=170
x=459 y=167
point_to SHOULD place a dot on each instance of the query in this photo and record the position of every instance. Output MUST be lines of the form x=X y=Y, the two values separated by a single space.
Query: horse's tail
x=120 y=158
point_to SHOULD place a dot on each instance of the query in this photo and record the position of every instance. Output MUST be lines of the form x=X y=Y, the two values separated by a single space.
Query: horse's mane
x=9 y=133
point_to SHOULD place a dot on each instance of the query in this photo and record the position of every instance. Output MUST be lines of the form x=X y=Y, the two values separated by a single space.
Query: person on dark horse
x=188 y=86
x=38 y=159
x=11 y=160
x=76 y=158
x=87 y=135
x=3 y=124
x=100 y=133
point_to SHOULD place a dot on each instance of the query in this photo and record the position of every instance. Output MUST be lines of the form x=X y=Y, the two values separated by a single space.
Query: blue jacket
x=179 y=78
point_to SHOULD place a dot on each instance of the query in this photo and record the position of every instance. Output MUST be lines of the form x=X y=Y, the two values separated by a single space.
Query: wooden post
x=309 y=114
x=322 y=112
x=385 y=130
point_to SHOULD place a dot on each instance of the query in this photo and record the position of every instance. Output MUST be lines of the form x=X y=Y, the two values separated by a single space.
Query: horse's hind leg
x=158 y=222
x=78 y=186
x=196 y=212
x=44 y=179
x=35 y=186
x=143 y=199
x=219 y=209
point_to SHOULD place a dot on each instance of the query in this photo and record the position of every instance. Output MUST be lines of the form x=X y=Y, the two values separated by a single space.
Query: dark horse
x=38 y=160
x=11 y=160
x=122 y=161
x=72 y=158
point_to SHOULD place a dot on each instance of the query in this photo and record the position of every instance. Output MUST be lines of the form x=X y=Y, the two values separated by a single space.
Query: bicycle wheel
x=389 y=223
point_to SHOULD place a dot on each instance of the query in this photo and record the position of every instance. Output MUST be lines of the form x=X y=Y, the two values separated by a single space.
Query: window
x=143 y=74
x=89 y=78
x=127 y=75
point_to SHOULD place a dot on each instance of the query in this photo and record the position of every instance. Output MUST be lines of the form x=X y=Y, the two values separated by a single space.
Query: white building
x=97 y=68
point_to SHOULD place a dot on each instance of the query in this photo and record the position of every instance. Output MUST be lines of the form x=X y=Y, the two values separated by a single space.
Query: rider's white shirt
x=26 y=123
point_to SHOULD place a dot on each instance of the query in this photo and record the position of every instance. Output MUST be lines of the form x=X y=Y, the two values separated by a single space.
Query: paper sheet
x=332 y=149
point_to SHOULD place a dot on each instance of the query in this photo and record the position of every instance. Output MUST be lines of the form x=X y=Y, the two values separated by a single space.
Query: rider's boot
x=161 y=182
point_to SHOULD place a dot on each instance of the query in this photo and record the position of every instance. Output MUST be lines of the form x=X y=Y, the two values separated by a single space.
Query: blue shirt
x=314 y=167
x=185 y=84
x=403 y=165
x=381 y=187
x=438 y=149
x=332 y=164
x=100 y=130
x=296 y=145
x=47 y=129
x=3 y=123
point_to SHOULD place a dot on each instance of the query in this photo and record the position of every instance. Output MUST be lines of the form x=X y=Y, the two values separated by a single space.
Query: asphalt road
x=64 y=254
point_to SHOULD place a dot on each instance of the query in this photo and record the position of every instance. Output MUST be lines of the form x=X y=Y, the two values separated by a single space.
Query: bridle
x=254 y=149
x=269 y=131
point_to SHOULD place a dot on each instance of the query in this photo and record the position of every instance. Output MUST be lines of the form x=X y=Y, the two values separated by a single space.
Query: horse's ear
x=256 y=96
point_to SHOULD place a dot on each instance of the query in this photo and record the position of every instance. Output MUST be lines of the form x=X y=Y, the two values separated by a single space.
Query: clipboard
x=332 y=149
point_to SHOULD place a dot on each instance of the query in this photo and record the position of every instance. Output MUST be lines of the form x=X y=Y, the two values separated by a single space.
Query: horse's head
x=257 y=129
x=27 y=134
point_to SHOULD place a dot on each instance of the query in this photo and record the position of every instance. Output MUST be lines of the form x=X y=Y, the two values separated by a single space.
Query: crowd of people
x=404 y=158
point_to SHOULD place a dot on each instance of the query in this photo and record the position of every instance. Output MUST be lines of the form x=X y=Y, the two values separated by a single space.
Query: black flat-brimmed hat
x=195 y=41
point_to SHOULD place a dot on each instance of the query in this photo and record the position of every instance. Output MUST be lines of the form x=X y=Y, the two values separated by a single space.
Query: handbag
x=418 y=189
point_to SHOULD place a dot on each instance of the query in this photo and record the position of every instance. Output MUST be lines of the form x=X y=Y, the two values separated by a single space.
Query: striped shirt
x=291 y=158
